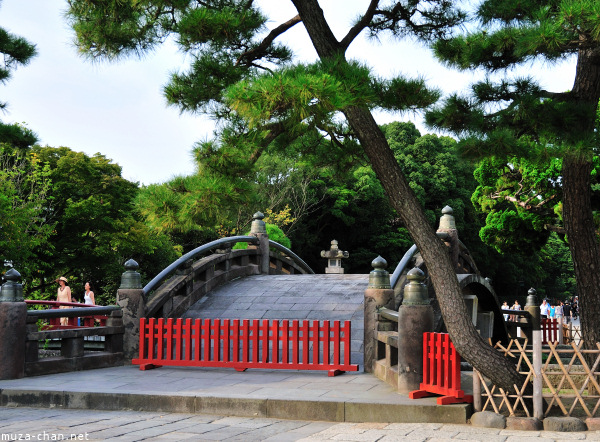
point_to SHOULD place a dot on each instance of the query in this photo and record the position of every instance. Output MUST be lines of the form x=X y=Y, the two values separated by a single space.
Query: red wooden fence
x=304 y=345
x=441 y=371
x=550 y=330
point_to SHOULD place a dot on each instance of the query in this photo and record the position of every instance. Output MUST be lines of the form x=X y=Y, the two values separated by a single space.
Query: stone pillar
x=334 y=258
x=379 y=293
x=130 y=297
x=534 y=310
x=13 y=327
x=415 y=317
x=258 y=228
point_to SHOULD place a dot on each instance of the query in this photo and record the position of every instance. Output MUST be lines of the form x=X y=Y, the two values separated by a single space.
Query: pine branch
x=257 y=51
x=553 y=228
x=535 y=208
x=360 y=25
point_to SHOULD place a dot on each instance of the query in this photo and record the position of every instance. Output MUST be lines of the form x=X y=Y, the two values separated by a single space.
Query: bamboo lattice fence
x=570 y=377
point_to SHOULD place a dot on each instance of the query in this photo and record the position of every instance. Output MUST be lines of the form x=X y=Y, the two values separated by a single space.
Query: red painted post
x=206 y=339
x=225 y=339
x=235 y=346
x=169 y=338
x=246 y=340
x=315 y=342
x=336 y=342
x=156 y=336
x=264 y=329
x=295 y=338
x=305 y=342
x=255 y=341
x=285 y=344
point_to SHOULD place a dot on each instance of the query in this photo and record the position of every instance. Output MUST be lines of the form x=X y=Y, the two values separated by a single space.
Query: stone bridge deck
x=324 y=297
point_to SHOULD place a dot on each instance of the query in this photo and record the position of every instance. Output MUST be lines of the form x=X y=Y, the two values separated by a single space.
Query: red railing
x=54 y=323
x=441 y=371
x=243 y=344
x=550 y=330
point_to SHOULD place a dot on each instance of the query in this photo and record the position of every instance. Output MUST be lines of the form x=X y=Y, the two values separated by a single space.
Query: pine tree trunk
x=583 y=243
x=471 y=346
x=463 y=334
x=577 y=199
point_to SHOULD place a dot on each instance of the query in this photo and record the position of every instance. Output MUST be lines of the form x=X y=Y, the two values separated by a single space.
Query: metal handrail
x=292 y=255
x=73 y=312
x=391 y=315
x=198 y=250
x=407 y=256
x=401 y=265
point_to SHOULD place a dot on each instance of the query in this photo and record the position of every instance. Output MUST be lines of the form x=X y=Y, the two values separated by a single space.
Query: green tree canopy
x=96 y=228
x=24 y=194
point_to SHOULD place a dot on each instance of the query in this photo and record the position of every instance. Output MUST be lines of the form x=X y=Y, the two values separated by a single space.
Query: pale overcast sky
x=118 y=109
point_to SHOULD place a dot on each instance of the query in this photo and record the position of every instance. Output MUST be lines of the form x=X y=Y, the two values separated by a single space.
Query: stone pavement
x=55 y=424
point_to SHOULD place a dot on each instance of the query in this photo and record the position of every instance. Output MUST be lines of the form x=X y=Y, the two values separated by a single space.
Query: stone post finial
x=334 y=258
x=12 y=289
x=258 y=225
x=533 y=309
x=447 y=221
x=415 y=292
x=379 y=278
x=131 y=279
x=531 y=297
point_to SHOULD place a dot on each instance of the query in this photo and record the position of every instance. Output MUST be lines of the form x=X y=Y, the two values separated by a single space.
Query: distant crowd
x=565 y=312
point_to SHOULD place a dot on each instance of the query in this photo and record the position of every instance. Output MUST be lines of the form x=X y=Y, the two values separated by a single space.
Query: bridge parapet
x=195 y=279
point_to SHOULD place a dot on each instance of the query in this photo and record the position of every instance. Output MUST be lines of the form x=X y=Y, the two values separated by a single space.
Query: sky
x=118 y=109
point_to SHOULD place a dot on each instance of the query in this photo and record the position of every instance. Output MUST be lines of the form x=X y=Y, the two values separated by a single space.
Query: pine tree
x=16 y=51
x=516 y=116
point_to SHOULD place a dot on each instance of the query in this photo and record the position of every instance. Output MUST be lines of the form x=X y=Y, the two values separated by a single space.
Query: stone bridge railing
x=73 y=356
x=24 y=332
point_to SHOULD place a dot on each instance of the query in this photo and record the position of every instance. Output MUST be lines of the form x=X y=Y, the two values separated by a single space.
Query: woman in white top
x=88 y=297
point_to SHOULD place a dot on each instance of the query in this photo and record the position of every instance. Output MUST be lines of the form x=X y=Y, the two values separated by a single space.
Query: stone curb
x=333 y=411
x=489 y=419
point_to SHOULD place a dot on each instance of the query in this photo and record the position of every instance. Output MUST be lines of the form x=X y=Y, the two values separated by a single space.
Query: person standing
x=544 y=309
x=558 y=312
x=63 y=295
x=505 y=307
x=515 y=306
x=567 y=312
x=88 y=296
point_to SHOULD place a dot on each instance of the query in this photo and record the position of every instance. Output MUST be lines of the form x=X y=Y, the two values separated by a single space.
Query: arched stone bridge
x=268 y=281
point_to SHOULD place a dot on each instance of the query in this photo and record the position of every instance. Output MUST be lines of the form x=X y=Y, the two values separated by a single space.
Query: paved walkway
x=52 y=424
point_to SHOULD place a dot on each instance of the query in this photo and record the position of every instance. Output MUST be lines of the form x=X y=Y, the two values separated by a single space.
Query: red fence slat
x=550 y=330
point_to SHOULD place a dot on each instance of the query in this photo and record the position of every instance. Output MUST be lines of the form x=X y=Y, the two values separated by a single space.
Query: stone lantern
x=334 y=258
